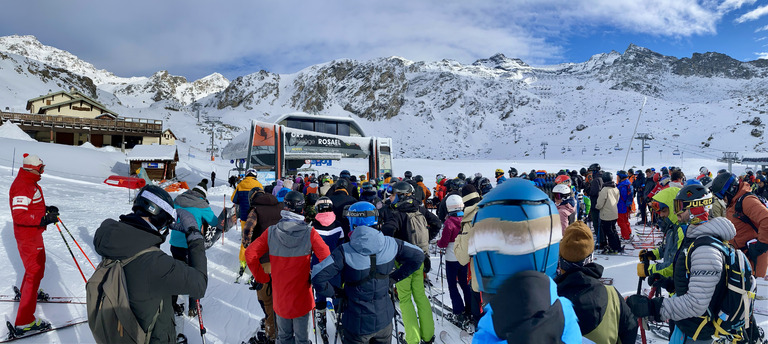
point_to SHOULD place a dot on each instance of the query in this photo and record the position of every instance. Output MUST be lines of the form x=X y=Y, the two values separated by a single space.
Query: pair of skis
x=42 y=298
x=14 y=335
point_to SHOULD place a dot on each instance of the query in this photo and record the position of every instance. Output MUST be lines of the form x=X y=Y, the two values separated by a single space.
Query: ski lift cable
x=645 y=99
x=703 y=155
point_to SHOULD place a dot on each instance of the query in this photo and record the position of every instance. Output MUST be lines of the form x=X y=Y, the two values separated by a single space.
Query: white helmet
x=454 y=203
x=704 y=170
x=562 y=189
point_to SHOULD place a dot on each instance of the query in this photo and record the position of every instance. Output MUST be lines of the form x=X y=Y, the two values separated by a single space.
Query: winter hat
x=202 y=187
x=288 y=184
x=33 y=162
x=577 y=243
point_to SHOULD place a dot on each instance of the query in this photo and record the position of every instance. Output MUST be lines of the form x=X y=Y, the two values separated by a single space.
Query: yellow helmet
x=498 y=170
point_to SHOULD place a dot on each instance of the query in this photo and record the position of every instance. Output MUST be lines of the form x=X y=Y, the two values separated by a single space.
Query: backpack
x=739 y=214
x=732 y=303
x=418 y=231
x=109 y=312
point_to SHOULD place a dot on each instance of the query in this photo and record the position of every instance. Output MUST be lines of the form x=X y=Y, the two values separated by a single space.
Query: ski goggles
x=658 y=206
x=681 y=205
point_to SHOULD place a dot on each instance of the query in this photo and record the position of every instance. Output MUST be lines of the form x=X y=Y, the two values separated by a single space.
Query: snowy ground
x=73 y=182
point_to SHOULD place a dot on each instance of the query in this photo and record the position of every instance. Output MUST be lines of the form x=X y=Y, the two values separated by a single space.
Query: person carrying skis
x=290 y=243
x=455 y=273
x=368 y=265
x=522 y=301
x=698 y=273
x=196 y=203
x=749 y=215
x=624 y=206
x=30 y=218
x=153 y=277
x=413 y=223
x=265 y=212
x=329 y=227
x=604 y=316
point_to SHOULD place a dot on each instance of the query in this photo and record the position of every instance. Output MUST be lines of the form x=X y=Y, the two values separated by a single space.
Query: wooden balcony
x=118 y=126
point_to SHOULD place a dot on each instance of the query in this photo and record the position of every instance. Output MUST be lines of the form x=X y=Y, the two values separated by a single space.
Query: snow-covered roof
x=152 y=152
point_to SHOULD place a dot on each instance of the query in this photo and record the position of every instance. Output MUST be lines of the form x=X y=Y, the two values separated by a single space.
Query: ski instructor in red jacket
x=30 y=218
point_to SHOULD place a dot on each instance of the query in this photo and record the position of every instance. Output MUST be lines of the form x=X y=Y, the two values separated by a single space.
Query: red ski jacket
x=27 y=202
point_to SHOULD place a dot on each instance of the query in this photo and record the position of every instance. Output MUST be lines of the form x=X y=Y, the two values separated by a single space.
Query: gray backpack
x=418 y=232
x=109 y=312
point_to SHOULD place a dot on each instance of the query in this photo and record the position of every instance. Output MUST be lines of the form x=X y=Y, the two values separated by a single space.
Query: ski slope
x=74 y=183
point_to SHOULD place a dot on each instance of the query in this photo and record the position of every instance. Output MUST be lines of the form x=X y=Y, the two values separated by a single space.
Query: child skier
x=455 y=273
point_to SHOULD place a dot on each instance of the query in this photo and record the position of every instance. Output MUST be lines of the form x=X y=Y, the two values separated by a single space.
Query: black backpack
x=739 y=214
x=732 y=303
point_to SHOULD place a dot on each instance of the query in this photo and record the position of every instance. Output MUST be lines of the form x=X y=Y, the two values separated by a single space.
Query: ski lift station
x=293 y=140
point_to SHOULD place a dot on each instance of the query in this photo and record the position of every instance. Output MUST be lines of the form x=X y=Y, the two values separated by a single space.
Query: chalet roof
x=29 y=102
x=153 y=152
x=87 y=100
x=170 y=132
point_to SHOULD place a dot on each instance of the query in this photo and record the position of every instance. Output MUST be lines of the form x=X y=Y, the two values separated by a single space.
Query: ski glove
x=658 y=281
x=643 y=307
x=755 y=250
x=642 y=269
x=187 y=224
x=49 y=219
x=646 y=255
x=51 y=210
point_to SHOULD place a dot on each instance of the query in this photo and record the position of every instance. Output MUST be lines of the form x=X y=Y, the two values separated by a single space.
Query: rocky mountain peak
x=499 y=61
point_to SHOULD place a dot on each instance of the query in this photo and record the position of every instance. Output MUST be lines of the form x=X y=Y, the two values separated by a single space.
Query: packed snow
x=73 y=181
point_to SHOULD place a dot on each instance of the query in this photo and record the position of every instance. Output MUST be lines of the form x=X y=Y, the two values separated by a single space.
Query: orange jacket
x=757 y=213
x=427 y=193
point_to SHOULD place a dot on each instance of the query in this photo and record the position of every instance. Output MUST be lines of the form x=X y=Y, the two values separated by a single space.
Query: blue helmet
x=362 y=214
x=516 y=228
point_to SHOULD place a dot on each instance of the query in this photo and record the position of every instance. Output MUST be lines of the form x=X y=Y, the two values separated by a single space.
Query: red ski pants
x=29 y=240
x=623 y=222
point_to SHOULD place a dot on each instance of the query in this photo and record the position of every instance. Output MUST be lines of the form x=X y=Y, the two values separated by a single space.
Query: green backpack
x=109 y=311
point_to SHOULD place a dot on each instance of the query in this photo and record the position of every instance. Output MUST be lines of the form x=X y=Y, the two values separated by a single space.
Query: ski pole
x=78 y=245
x=441 y=274
x=200 y=319
x=71 y=253
x=314 y=323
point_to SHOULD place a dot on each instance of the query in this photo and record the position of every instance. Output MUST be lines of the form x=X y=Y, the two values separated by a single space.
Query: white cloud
x=197 y=37
x=764 y=28
x=763 y=55
x=753 y=14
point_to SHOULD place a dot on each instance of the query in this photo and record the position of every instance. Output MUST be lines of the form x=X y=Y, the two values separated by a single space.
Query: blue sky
x=194 y=38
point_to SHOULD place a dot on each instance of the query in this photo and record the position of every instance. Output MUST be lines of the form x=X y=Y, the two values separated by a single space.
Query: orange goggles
x=658 y=206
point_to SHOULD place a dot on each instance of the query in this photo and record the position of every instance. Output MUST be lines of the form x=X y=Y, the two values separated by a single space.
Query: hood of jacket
x=28 y=176
x=719 y=227
x=625 y=182
x=122 y=239
x=292 y=231
x=191 y=199
x=454 y=220
x=667 y=196
x=366 y=240
x=610 y=184
x=470 y=200
x=743 y=188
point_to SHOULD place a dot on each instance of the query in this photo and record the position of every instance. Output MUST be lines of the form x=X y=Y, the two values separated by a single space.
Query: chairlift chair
x=676 y=151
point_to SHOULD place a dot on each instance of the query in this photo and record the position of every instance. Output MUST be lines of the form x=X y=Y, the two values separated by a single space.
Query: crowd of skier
x=516 y=252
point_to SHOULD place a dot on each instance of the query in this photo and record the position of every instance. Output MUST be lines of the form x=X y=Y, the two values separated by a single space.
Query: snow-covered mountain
x=498 y=107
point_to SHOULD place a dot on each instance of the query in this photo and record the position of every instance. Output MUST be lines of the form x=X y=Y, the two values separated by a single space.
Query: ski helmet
x=454 y=203
x=515 y=212
x=583 y=172
x=294 y=202
x=461 y=176
x=418 y=178
x=484 y=186
x=622 y=174
x=408 y=174
x=362 y=214
x=594 y=167
x=725 y=184
x=344 y=174
x=562 y=179
x=342 y=183
x=403 y=188
x=252 y=173
x=478 y=175
x=457 y=184
x=368 y=187
x=512 y=172
x=696 y=198
x=499 y=172
x=703 y=170
x=323 y=204
x=562 y=189
x=706 y=181
x=631 y=171
x=607 y=177
x=156 y=204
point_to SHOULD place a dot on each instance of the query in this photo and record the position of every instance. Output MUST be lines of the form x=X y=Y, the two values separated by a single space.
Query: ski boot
x=430 y=341
x=41 y=295
x=178 y=309
x=193 y=309
x=36 y=326
x=259 y=338
x=321 y=325
x=181 y=339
